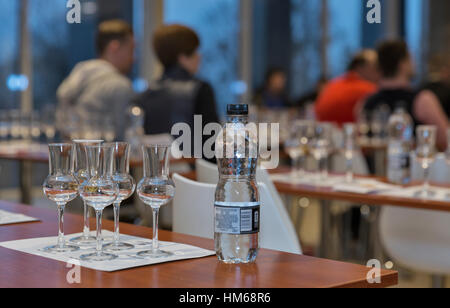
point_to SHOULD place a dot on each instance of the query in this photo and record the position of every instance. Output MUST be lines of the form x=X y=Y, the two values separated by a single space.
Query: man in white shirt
x=98 y=91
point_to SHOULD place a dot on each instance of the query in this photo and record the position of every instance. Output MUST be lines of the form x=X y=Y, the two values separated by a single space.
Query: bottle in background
x=237 y=206
x=400 y=129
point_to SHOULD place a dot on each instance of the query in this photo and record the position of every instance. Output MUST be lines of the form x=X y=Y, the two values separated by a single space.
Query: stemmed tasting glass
x=155 y=190
x=349 y=150
x=321 y=148
x=296 y=145
x=82 y=174
x=61 y=186
x=126 y=185
x=99 y=192
x=425 y=154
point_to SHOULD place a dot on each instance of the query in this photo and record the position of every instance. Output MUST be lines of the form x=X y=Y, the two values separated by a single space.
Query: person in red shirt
x=339 y=98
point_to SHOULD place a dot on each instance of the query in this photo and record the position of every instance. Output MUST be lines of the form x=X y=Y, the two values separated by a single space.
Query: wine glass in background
x=447 y=154
x=293 y=149
x=296 y=145
x=376 y=127
x=82 y=175
x=349 y=148
x=35 y=130
x=155 y=190
x=321 y=147
x=15 y=125
x=4 y=126
x=425 y=155
x=126 y=188
x=61 y=186
x=363 y=129
x=99 y=191
x=48 y=122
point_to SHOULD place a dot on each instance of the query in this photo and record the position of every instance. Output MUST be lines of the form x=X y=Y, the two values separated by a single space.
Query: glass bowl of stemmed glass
x=82 y=175
x=61 y=186
x=155 y=190
x=425 y=155
x=99 y=192
x=121 y=175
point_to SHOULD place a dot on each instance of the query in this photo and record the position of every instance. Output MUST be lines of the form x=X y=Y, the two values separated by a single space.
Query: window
x=345 y=33
x=217 y=23
x=9 y=42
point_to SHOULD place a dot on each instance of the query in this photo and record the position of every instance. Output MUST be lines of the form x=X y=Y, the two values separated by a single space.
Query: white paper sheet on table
x=8 y=218
x=127 y=259
x=311 y=179
x=440 y=194
x=364 y=186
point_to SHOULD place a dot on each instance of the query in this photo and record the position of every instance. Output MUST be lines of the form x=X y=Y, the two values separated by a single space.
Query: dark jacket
x=176 y=98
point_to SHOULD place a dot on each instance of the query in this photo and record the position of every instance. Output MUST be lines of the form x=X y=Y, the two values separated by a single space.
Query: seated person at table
x=273 y=94
x=439 y=81
x=178 y=95
x=99 y=89
x=395 y=88
x=339 y=98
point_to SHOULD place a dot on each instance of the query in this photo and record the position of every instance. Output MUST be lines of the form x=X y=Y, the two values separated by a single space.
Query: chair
x=193 y=214
x=418 y=239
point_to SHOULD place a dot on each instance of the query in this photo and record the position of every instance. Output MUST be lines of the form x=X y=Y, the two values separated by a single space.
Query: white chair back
x=418 y=239
x=206 y=172
x=193 y=214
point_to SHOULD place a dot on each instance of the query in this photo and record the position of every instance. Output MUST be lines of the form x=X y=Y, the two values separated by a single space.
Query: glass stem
x=87 y=228
x=155 y=243
x=426 y=184
x=294 y=172
x=61 y=240
x=323 y=168
x=301 y=166
x=99 y=214
x=349 y=170
x=116 y=223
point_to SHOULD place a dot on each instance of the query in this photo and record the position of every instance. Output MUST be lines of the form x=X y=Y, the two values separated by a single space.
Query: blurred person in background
x=439 y=81
x=311 y=97
x=339 y=98
x=99 y=89
x=395 y=87
x=273 y=93
x=178 y=95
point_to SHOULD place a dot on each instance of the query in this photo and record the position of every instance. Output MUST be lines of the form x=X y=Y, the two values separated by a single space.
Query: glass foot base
x=83 y=240
x=98 y=257
x=153 y=254
x=424 y=194
x=59 y=249
x=118 y=247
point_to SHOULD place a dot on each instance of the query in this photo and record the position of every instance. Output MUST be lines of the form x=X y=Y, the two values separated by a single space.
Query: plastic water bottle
x=237 y=206
x=400 y=129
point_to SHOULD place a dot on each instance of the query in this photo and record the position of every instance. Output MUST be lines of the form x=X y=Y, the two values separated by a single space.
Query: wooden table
x=326 y=193
x=272 y=269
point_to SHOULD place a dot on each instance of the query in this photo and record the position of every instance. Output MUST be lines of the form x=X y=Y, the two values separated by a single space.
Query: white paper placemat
x=127 y=259
x=311 y=179
x=439 y=193
x=7 y=218
x=364 y=186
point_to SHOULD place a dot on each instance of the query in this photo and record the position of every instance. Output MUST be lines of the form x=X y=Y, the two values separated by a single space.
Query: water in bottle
x=400 y=129
x=237 y=206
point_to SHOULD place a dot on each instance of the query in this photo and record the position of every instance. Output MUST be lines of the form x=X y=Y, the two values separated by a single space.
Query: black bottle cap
x=237 y=109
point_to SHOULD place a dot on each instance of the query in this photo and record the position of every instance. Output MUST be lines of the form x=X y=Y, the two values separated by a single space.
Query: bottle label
x=237 y=218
